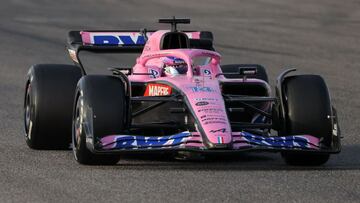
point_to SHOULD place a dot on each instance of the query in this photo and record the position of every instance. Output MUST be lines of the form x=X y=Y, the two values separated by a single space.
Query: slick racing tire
x=234 y=68
x=309 y=112
x=49 y=96
x=100 y=109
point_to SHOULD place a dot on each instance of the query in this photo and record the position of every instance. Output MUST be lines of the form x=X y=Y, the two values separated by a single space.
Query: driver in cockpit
x=173 y=66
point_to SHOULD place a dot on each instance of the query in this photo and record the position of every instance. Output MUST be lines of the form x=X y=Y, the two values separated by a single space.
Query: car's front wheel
x=100 y=110
x=309 y=112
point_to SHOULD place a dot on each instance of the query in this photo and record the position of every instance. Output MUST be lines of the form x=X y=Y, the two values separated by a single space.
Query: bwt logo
x=118 y=39
x=128 y=142
x=287 y=142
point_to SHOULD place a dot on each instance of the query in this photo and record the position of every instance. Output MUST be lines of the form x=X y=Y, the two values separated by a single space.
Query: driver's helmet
x=174 y=66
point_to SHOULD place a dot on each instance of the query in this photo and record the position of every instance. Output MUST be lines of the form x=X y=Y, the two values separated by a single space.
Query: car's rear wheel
x=234 y=68
x=309 y=112
x=100 y=110
x=49 y=95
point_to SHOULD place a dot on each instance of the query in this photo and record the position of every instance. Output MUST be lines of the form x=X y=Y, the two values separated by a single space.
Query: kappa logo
x=157 y=90
x=202 y=103
x=218 y=130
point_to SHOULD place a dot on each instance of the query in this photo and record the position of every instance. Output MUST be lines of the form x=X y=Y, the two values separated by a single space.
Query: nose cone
x=209 y=110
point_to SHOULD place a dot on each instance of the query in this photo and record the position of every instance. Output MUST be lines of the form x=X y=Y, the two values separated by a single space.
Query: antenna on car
x=174 y=21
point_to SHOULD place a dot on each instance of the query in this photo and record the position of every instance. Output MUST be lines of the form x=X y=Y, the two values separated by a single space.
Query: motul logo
x=157 y=90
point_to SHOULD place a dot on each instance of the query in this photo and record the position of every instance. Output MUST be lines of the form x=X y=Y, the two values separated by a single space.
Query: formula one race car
x=177 y=98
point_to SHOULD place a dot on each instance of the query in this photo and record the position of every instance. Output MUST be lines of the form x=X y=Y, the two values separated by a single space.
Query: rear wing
x=123 y=41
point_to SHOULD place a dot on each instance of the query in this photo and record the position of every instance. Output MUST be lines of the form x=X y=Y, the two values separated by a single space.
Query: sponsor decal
x=287 y=142
x=117 y=39
x=213 y=116
x=218 y=130
x=211 y=110
x=213 y=122
x=206 y=99
x=157 y=90
x=220 y=140
x=213 y=119
x=202 y=103
x=202 y=89
x=154 y=73
x=122 y=38
x=131 y=142
x=206 y=72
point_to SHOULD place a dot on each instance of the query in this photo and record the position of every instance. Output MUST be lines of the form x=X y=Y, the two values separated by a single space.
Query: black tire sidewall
x=308 y=111
x=308 y=107
x=105 y=96
x=52 y=91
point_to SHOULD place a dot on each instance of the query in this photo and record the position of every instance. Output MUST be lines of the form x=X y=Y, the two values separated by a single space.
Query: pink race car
x=176 y=98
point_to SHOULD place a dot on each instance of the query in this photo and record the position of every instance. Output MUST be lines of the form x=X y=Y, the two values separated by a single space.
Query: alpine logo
x=206 y=72
x=154 y=73
x=157 y=90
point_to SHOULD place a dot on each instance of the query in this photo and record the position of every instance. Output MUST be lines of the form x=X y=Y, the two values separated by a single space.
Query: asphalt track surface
x=320 y=37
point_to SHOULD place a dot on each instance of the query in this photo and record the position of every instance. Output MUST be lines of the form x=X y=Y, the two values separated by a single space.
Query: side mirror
x=242 y=72
x=122 y=70
x=247 y=71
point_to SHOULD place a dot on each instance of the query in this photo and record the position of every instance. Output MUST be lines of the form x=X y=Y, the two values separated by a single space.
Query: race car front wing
x=192 y=141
